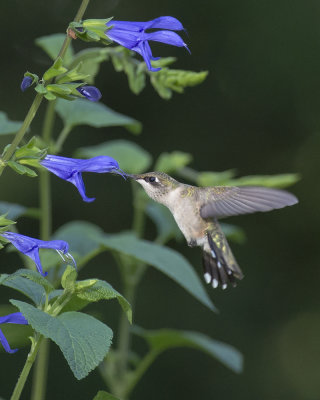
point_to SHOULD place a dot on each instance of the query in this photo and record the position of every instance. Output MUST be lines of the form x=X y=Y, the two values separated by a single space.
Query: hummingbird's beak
x=133 y=176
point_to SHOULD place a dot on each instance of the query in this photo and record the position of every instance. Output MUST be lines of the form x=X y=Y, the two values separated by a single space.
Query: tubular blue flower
x=92 y=93
x=133 y=35
x=26 y=82
x=15 y=318
x=70 y=169
x=30 y=247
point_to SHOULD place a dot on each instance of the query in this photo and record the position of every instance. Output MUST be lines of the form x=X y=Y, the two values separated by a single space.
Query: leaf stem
x=26 y=369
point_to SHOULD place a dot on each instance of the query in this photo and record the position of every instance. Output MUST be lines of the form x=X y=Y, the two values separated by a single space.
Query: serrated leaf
x=275 y=181
x=102 y=395
x=83 y=340
x=130 y=156
x=52 y=44
x=166 y=225
x=31 y=289
x=84 y=112
x=166 y=260
x=102 y=290
x=8 y=127
x=34 y=276
x=165 y=339
x=171 y=162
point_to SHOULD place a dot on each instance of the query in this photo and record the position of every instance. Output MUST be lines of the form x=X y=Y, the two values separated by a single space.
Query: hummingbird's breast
x=185 y=208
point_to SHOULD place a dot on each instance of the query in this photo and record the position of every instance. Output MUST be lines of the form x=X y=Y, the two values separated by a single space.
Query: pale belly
x=189 y=221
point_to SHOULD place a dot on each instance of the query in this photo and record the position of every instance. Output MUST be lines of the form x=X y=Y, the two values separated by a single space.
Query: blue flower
x=30 y=247
x=26 y=82
x=133 y=35
x=15 y=318
x=70 y=169
x=90 y=92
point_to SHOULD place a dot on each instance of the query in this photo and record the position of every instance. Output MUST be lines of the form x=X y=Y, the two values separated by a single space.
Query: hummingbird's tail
x=219 y=264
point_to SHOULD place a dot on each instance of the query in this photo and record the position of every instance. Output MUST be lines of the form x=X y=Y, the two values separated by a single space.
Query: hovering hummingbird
x=197 y=209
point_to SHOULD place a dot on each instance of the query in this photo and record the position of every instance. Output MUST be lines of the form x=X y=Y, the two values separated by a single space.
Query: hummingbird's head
x=156 y=184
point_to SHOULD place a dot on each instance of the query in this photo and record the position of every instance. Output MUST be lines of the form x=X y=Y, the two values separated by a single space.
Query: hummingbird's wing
x=224 y=201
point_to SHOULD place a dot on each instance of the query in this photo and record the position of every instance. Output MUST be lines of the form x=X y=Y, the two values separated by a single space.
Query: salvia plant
x=55 y=297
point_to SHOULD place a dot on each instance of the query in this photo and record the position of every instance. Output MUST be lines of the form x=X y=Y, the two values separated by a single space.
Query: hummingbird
x=196 y=211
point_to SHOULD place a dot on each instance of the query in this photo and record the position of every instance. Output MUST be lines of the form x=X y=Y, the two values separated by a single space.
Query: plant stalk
x=26 y=369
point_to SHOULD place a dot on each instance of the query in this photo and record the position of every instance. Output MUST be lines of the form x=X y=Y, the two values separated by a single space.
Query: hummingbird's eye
x=152 y=179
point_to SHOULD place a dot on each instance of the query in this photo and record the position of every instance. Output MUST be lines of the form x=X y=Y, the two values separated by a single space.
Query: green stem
x=48 y=122
x=22 y=131
x=45 y=205
x=26 y=369
x=61 y=138
x=40 y=374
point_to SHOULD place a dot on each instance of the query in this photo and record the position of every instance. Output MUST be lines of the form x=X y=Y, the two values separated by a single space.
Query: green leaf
x=102 y=290
x=13 y=210
x=6 y=126
x=276 y=181
x=131 y=157
x=166 y=260
x=31 y=289
x=166 y=225
x=171 y=162
x=215 y=178
x=83 y=340
x=102 y=395
x=34 y=276
x=165 y=339
x=84 y=112
x=52 y=44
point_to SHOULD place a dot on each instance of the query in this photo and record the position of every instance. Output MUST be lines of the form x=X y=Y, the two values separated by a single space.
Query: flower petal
x=26 y=82
x=125 y=38
x=164 y=23
x=77 y=181
x=14 y=318
x=167 y=37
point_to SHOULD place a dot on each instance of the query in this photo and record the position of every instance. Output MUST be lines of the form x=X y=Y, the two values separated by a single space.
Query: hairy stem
x=26 y=369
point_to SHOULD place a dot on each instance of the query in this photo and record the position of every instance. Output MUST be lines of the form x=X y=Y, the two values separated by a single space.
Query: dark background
x=258 y=111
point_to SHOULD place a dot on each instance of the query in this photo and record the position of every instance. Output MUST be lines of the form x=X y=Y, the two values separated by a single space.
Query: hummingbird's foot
x=192 y=243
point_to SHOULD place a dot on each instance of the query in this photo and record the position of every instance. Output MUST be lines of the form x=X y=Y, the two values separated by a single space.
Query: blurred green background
x=259 y=112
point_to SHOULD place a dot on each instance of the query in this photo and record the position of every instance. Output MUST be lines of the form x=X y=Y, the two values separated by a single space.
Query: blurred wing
x=224 y=201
